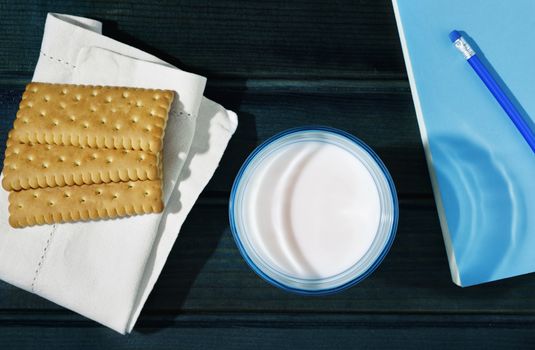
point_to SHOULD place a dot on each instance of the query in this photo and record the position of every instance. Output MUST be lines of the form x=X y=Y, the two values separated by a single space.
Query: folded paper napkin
x=106 y=269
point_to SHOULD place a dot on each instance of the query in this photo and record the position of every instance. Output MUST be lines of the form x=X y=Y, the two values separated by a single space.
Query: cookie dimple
x=97 y=201
x=81 y=116
x=37 y=166
x=85 y=152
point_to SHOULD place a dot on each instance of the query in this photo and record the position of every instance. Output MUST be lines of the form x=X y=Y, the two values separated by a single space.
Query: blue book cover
x=482 y=170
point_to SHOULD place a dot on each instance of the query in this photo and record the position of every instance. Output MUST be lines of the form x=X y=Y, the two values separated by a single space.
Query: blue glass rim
x=379 y=163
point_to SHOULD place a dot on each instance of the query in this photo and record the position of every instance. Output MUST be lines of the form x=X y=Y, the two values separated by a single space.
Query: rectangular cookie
x=33 y=166
x=93 y=116
x=73 y=203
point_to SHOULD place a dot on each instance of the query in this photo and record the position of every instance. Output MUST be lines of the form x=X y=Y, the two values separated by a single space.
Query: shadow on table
x=416 y=269
x=196 y=242
x=185 y=261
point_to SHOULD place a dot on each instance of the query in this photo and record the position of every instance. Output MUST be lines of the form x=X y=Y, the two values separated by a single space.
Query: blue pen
x=494 y=88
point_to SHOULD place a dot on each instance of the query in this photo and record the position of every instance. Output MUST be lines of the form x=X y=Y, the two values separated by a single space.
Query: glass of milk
x=313 y=210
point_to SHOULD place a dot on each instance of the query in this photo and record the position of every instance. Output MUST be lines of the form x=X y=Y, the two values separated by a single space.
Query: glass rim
x=376 y=259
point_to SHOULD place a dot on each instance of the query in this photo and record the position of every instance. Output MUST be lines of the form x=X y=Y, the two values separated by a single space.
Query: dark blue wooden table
x=278 y=64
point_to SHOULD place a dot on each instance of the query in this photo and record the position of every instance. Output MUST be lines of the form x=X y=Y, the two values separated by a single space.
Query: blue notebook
x=482 y=170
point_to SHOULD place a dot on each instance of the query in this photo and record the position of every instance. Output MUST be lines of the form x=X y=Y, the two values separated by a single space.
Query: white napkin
x=105 y=270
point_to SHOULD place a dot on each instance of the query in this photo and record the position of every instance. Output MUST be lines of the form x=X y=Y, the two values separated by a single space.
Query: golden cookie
x=72 y=203
x=34 y=166
x=93 y=116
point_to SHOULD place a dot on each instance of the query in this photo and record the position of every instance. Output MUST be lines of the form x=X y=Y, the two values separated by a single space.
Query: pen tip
x=454 y=35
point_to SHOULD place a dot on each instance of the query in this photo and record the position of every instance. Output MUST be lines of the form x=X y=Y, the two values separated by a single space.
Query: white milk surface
x=313 y=210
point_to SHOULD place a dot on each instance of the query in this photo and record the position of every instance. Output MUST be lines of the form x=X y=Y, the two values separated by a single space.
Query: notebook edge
x=455 y=275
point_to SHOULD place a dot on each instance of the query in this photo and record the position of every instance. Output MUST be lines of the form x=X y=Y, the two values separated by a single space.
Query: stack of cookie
x=85 y=152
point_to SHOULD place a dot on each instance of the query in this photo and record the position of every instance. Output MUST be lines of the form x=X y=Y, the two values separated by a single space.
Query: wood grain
x=205 y=273
x=381 y=114
x=274 y=38
x=278 y=64
x=261 y=331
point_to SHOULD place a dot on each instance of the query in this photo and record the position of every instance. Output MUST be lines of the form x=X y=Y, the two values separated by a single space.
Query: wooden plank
x=279 y=64
x=280 y=332
x=205 y=274
x=274 y=38
x=380 y=113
